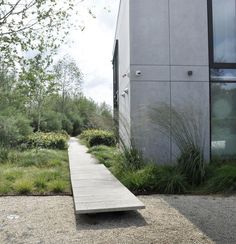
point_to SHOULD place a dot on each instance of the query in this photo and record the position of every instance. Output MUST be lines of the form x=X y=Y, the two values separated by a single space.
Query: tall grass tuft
x=185 y=129
x=169 y=180
x=23 y=186
x=132 y=158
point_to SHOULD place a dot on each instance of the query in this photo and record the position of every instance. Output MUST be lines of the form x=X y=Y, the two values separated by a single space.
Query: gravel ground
x=166 y=219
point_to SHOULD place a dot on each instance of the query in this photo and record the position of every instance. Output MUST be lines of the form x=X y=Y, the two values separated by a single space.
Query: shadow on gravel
x=109 y=220
x=214 y=216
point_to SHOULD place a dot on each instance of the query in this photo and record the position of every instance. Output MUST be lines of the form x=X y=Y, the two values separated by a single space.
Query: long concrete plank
x=95 y=189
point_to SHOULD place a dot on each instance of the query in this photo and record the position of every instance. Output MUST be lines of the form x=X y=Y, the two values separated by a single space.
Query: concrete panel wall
x=145 y=132
x=123 y=37
x=188 y=32
x=149 y=32
x=168 y=38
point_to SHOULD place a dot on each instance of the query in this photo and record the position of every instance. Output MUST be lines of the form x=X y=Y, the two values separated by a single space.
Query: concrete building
x=181 y=53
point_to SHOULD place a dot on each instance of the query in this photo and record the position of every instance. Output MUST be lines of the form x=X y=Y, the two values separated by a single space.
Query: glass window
x=224 y=119
x=223 y=74
x=224 y=31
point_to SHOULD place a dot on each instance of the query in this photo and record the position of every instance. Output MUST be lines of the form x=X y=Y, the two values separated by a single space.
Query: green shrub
x=13 y=130
x=222 y=179
x=23 y=186
x=47 y=140
x=51 y=121
x=4 y=154
x=170 y=181
x=95 y=137
x=191 y=164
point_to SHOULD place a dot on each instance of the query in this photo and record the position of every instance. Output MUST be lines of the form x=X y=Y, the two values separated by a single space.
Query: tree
x=69 y=79
x=37 y=82
x=26 y=24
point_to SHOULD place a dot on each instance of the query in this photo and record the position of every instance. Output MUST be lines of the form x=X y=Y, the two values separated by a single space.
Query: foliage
x=141 y=180
x=169 y=180
x=25 y=25
x=132 y=158
x=191 y=164
x=13 y=129
x=221 y=179
x=69 y=79
x=187 y=133
x=36 y=84
x=50 y=140
x=57 y=186
x=105 y=155
x=4 y=154
x=149 y=178
x=30 y=172
x=23 y=186
x=94 y=137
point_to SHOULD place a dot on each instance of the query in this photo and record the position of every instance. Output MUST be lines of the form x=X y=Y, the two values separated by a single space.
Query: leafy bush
x=51 y=121
x=4 y=154
x=13 y=130
x=223 y=179
x=47 y=140
x=95 y=137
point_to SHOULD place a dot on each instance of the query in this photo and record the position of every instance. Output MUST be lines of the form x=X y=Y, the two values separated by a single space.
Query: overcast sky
x=92 y=48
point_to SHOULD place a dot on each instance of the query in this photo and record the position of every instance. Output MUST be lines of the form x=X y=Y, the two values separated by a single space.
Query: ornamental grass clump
x=186 y=131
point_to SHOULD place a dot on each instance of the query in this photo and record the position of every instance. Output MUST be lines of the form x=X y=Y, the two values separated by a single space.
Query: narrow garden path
x=95 y=189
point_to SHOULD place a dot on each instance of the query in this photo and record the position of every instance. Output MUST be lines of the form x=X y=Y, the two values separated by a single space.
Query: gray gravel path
x=170 y=219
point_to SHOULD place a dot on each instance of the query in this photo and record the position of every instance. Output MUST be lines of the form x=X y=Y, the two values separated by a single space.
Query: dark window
x=116 y=85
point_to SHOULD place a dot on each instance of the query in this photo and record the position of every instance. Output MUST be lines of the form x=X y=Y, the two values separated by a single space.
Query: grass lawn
x=32 y=172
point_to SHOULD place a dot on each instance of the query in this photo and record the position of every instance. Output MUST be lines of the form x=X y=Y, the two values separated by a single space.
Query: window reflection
x=224 y=31
x=224 y=119
x=223 y=74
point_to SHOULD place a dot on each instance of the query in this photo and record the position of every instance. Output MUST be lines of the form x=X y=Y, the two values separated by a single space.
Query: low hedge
x=50 y=140
x=94 y=137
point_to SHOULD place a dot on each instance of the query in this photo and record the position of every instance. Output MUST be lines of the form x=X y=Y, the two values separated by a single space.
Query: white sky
x=92 y=48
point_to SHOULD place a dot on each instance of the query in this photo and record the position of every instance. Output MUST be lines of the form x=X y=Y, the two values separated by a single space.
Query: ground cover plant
x=41 y=172
x=144 y=177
